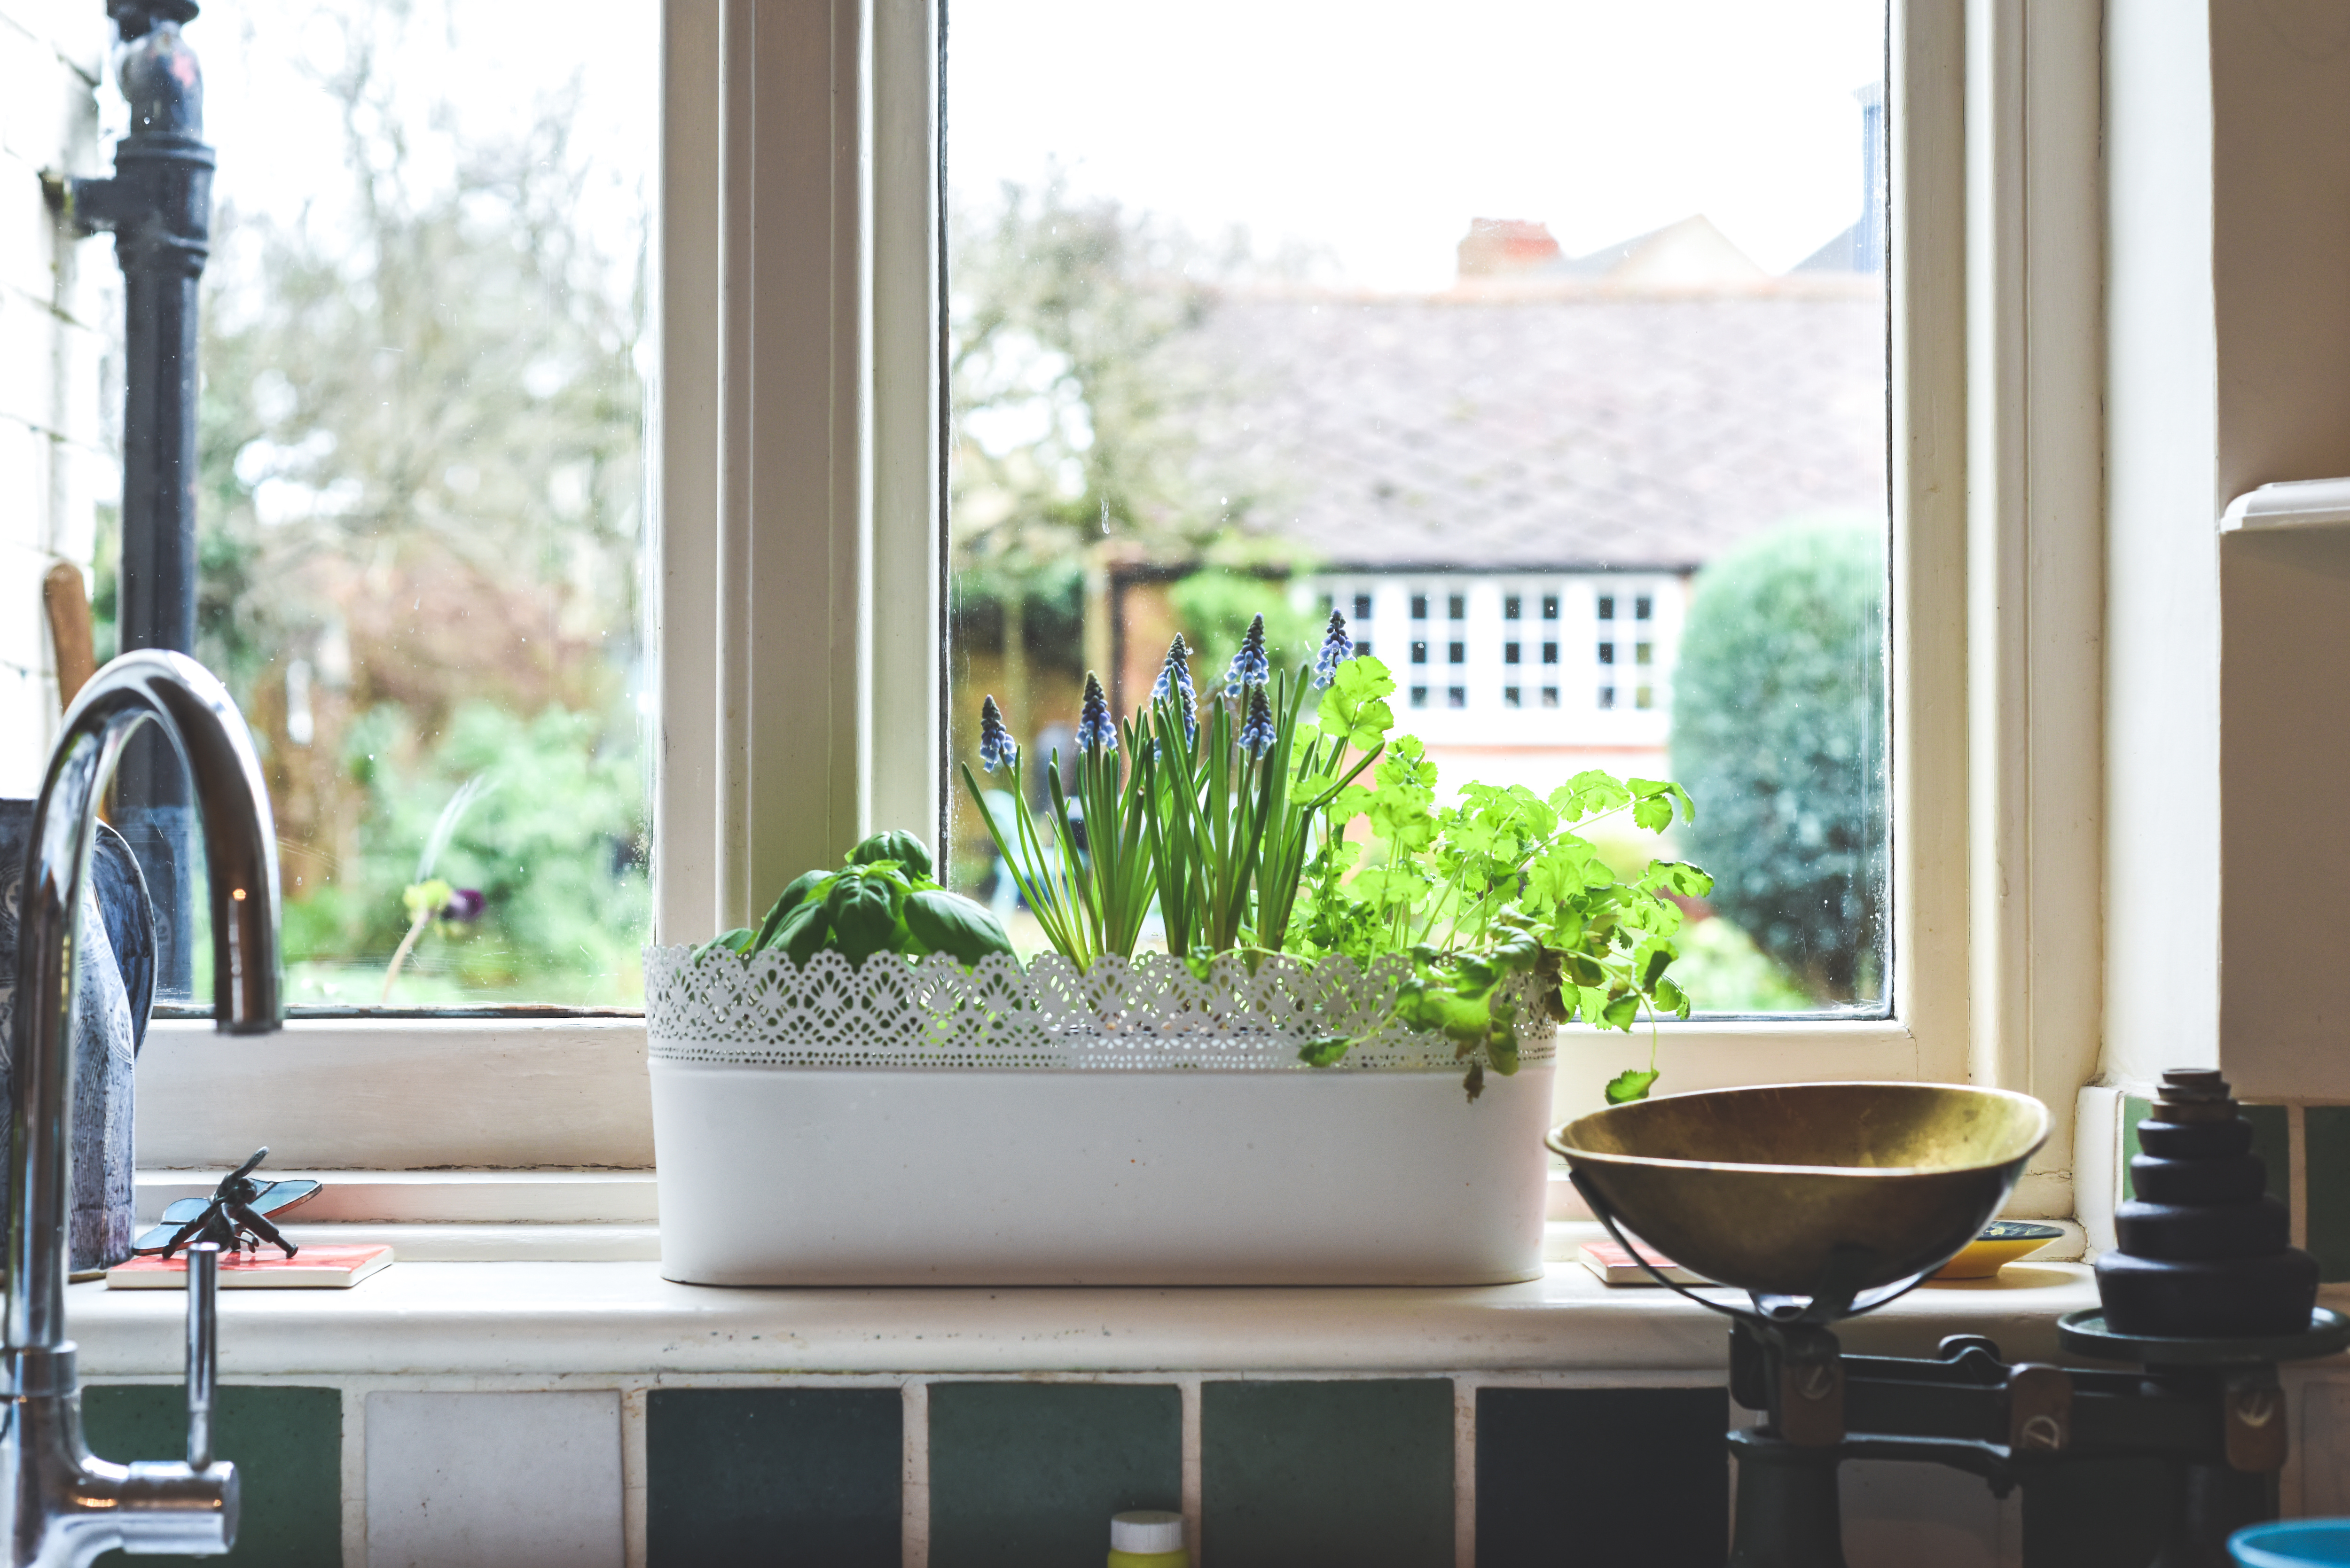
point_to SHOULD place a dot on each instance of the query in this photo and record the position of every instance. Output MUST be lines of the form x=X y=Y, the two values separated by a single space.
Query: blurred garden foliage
x=421 y=442
x=1077 y=392
x=1778 y=727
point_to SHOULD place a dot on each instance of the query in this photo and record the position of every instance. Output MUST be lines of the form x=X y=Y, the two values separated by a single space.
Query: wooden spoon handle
x=69 y=607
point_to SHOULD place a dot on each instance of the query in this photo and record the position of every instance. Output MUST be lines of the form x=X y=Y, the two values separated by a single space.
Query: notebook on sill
x=1616 y=1266
x=315 y=1267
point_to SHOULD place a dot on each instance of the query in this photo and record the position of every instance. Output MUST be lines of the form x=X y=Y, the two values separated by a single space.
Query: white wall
x=2281 y=75
x=2162 y=800
x=2228 y=901
x=60 y=303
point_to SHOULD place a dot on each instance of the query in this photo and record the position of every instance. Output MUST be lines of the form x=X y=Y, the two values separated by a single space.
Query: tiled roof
x=1574 y=428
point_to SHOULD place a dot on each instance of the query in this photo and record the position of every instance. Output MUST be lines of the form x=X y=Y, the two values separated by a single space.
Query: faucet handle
x=164 y=1506
x=203 y=1349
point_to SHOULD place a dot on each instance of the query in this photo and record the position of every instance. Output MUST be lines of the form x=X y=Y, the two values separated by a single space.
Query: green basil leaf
x=951 y=923
x=736 y=941
x=864 y=917
x=806 y=885
x=804 y=931
x=894 y=845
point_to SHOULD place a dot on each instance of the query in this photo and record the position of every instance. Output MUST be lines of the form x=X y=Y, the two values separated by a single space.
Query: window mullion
x=2035 y=555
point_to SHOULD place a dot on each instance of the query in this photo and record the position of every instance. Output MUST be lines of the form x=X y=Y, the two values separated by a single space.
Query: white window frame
x=799 y=613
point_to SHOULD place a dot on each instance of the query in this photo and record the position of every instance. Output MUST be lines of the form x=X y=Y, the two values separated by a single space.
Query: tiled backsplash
x=1018 y=1472
x=1415 y=1472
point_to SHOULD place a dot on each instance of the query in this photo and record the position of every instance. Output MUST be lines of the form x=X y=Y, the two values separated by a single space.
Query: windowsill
x=621 y=1318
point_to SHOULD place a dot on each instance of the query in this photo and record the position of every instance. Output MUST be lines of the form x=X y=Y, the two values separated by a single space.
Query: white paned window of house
x=427 y=370
x=803 y=543
x=1545 y=341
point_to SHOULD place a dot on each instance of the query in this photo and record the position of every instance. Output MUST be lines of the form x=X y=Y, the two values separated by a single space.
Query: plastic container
x=1147 y=1538
x=2292 y=1543
x=928 y=1125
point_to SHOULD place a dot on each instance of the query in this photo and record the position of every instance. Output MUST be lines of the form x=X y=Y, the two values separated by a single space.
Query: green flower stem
x=1032 y=873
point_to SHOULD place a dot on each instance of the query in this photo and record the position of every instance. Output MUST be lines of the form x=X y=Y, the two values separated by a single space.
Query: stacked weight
x=2204 y=1249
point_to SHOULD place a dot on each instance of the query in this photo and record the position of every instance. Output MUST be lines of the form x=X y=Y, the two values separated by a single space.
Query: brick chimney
x=1503 y=247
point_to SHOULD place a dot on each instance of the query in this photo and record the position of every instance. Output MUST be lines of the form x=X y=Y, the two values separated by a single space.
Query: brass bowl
x=1756 y=1187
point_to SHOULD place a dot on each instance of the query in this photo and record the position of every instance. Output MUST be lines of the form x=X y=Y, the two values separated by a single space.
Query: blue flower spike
x=1256 y=729
x=1249 y=665
x=995 y=743
x=1175 y=678
x=1095 y=730
x=1336 y=648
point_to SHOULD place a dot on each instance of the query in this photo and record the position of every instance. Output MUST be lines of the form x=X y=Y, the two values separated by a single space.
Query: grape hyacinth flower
x=1336 y=648
x=1096 y=729
x=1175 y=678
x=996 y=746
x=1249 y=665
x=1256 y=729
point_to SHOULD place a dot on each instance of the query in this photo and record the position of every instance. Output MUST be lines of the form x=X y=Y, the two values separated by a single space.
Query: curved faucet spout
x=184 y=700
x=57 y=1504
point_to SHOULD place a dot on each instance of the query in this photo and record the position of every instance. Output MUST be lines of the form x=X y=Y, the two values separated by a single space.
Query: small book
x=1616 y=1266
x=315 y=1267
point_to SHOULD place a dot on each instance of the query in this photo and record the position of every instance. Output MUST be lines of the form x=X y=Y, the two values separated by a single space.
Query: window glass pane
x=425 y=359
x=1563 y=310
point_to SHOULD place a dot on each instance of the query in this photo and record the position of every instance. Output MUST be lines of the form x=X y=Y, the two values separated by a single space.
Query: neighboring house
x=1509 y=486
x=59 y=307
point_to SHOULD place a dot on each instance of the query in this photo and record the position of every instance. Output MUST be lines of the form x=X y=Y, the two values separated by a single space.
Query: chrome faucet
x=58 y=1504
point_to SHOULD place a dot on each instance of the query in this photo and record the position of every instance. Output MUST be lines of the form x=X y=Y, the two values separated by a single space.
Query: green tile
x=774 y=1477
x=286 y=1444
x=2271 y=1140
x=1602 y=1475
x=2325 y=1134
x=1294 y=1473
x=2133 y=1111
x=1026 y=1475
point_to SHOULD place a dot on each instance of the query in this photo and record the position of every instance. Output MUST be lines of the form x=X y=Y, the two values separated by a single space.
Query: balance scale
x=1821 y=1201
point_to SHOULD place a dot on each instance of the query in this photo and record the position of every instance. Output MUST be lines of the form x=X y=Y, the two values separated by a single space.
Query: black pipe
x=158 y=206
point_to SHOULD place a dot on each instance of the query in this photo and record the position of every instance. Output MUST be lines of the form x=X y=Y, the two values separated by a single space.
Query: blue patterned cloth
x=114 y=992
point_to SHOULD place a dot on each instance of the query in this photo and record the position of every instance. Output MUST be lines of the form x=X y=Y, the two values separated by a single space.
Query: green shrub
x=1779 y=734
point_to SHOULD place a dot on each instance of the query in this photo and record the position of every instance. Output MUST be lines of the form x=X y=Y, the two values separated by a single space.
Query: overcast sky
x=1375 y=130
x=1368 y=132
x=280 y=144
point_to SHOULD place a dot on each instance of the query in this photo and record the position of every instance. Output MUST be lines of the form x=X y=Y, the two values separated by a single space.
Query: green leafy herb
x=881 y=899
x=1495 y=898
x=902 y=847
x=947 y=922
x=1629 y=1085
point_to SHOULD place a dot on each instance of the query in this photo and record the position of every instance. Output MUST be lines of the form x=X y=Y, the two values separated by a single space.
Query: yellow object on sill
x=1147 y=1538
x=2002 y=1241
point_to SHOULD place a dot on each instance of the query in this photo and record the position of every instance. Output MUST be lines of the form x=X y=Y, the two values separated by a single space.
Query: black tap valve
x=158 y=205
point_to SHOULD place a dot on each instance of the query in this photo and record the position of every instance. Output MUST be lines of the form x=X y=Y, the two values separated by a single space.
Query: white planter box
x=1125 y=1128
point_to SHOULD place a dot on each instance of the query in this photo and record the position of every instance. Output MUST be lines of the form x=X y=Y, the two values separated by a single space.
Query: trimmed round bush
x=1779 y=736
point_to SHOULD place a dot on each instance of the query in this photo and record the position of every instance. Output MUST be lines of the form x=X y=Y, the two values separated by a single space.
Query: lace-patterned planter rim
x=1148 y=1013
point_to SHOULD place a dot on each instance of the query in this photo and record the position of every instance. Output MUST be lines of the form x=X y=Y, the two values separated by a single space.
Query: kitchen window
x=796 y=521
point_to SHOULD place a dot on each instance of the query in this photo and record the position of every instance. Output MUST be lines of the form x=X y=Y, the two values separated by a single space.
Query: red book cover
x=1616 y=1266
x=315 y=1267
